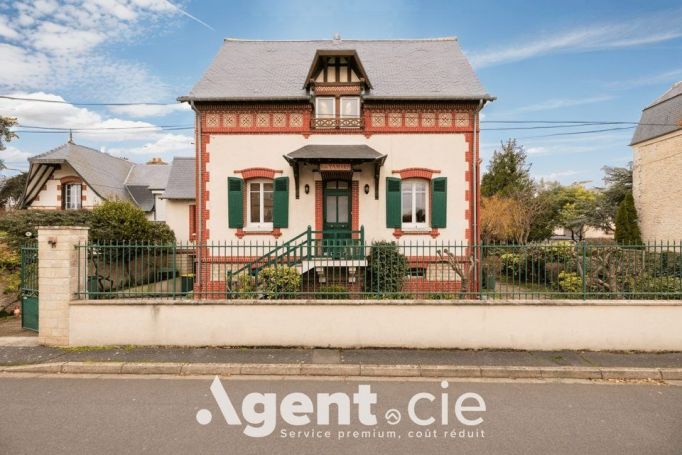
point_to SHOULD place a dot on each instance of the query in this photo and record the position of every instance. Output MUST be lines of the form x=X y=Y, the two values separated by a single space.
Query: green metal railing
x=317 y=264
x=28 y=286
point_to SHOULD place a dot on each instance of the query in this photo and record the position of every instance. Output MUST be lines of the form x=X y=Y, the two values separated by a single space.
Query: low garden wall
x=545 y=325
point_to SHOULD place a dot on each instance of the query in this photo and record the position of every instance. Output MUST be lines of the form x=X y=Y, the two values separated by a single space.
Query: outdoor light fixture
x=366 y=188
x=306 y=188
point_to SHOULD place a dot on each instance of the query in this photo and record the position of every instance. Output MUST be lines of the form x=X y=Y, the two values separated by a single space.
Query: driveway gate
x=29 y=287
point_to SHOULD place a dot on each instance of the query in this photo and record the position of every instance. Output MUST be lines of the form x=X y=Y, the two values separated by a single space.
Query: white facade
x=442 y=152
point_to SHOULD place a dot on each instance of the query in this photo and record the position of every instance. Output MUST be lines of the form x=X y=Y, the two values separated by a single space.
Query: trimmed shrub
x=386 y=267
x=280 y=282
x=333 y=292
x=570 y=282
x=660 y=284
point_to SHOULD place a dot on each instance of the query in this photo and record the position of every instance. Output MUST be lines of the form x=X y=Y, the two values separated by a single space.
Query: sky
x=544 y=61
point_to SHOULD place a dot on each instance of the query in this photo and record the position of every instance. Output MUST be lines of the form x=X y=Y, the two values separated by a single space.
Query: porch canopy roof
x=350 y=154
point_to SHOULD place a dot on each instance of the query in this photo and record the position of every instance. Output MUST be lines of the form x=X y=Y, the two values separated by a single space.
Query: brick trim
x=241 y=233
x=319 y=213
x=416 y=172
x=258 y=172
x=355 y=207
x=398 y=232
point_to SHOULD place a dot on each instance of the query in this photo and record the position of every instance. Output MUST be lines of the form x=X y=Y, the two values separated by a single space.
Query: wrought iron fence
x=319 y=265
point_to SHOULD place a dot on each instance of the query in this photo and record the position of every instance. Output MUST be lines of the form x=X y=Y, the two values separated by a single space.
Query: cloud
x=60 y=115
x=15 y=158
x=560 y=103
x=556 y=176
x=638 y=31
x=61 y=45
x=146 y=110
x=165 y=144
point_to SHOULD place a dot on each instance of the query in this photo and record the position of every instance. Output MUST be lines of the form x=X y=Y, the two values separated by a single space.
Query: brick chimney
x=156 y=160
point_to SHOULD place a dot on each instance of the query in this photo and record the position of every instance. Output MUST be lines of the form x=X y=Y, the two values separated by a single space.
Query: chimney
x=156 y=160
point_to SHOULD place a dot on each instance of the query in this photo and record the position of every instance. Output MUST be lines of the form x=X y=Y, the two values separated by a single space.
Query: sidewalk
x=343 y=362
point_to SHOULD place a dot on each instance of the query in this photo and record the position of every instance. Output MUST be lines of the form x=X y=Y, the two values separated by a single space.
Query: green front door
x=337 y=217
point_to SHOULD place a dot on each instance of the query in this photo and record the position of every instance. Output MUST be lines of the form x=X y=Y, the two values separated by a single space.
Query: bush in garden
x=333 y=291
x=279 y=282
x=570 y=282
x=17 y=223
x=660 y=284
x=122 y=221
x=386 y=267
x=627 y=227
x=245 y=287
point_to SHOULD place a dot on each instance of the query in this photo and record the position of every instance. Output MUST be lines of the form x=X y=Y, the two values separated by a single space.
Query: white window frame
x=317 y=106
x=261 y=225
x=412 y=183
x=357 y=103
x=68 y=203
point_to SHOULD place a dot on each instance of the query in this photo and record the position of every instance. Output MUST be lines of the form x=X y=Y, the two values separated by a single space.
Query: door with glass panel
x=337 y=218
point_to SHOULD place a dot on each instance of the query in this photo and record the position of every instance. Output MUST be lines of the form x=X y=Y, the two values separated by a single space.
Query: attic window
x=72 y=196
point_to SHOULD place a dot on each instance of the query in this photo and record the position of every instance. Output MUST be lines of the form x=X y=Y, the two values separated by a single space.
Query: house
x=73 y=177
x=657 y=160
x=355 y=138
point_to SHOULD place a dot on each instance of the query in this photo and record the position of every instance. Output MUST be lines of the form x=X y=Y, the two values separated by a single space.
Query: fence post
x=309 y=240
x=58 y=279
x=583 y=278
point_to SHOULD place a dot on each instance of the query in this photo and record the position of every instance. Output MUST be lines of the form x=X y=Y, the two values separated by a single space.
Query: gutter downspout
x=199 y=198
x=474 y=171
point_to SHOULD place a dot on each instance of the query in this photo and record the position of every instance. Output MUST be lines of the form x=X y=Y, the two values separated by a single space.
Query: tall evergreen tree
x=627 y=228
x=508 y=173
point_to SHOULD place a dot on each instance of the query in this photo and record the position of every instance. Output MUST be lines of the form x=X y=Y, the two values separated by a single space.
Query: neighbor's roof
x=154 y=176
x=142 y=196
x=334 y=152
x=661 y=117
x=181 y=182
x=106 y=174
x=399 y=69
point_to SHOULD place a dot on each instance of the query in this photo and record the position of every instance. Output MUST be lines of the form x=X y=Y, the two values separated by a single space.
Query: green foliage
x=507 y=173
x=245 y=287
x=11 y=191
x=333 y=291
x=570 y=282
x=660 y=284
x=386 y=267
x=578 y=205
x=618 y=184
x=280 y=282
x=627 y=228
x=122 y=221
x=17 y=223
x=6 y=134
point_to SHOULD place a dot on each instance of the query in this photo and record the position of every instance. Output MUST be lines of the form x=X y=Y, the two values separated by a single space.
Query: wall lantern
x=366 y=188
x=306 y=188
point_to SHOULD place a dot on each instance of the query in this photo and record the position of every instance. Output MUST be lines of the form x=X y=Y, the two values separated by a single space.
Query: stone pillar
x=57 y=280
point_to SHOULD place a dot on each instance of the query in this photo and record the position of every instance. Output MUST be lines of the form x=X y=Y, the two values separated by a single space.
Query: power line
x=578 y=132
x=42 y=100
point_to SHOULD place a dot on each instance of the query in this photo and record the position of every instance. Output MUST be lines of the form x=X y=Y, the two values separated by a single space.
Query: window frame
x=412 y=184
x=66 y=196
x=357 y=103
x=317 y=107
x=261 y=225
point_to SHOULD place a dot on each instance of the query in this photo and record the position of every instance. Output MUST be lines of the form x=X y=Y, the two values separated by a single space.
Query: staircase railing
x=307 y=245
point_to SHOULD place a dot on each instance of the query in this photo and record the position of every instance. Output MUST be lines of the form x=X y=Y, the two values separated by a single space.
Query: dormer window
x=325 y=107
x=350 y=107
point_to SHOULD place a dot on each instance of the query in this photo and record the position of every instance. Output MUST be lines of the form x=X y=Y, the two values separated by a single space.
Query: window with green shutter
x=281 y=203
x=439 y=189
x=393 y=202
x=235 y=202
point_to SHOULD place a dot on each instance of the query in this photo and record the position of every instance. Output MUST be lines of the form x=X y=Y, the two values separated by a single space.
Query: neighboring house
x=73 y=177
x=339 y=135
x=657 y=162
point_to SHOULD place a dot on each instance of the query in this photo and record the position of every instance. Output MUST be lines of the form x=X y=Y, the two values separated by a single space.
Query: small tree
x=508 y=173
x=387 y=269
x=627 y=228
x=11 y=191
x=121 y=221
x=6 y=134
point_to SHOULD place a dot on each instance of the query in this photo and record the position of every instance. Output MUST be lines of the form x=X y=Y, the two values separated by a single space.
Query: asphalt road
x=159 y=415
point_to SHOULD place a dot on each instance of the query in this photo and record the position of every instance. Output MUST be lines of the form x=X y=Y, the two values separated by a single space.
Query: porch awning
x=320 y=153
x=349 y=154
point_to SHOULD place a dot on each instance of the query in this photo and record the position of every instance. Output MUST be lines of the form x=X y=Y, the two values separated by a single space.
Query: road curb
x=348 y=370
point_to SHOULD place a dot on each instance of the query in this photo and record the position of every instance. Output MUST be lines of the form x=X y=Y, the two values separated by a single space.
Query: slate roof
x=181 y=182
x=399 y=69
x=334 y=152
x=660 y=117
x=112 y=177
x=106 y=174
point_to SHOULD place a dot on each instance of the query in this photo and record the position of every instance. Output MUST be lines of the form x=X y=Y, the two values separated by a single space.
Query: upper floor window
x=325 y=107
x=259 y=208
x=350 y=107
x=413 y=206
x=72 y=196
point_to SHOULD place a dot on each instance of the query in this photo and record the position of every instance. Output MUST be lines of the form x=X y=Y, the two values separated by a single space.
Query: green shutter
x=393 y=217
x=280 y=216
x=439 y=192
x=235 y=202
